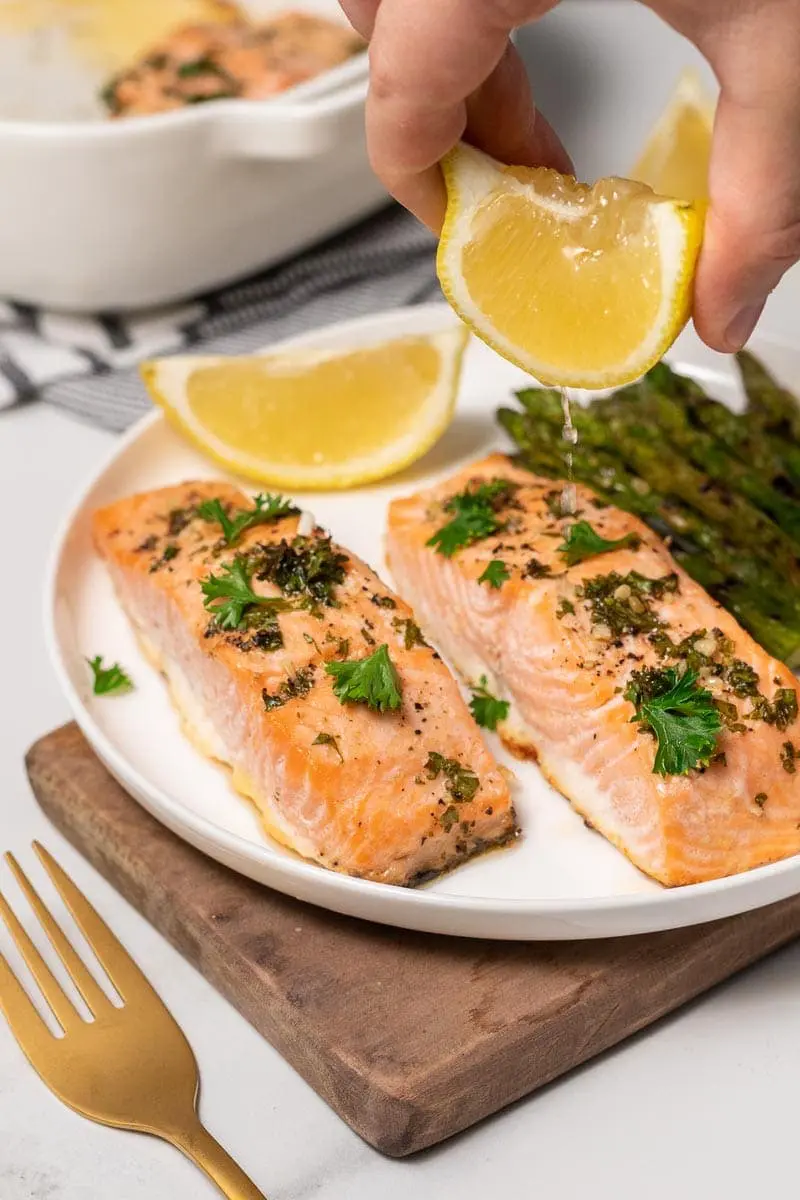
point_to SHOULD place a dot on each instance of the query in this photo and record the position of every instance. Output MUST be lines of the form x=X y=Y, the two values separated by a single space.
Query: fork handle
x=206 y=1153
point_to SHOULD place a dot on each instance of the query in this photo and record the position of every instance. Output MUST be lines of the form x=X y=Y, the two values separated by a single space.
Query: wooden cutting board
x=409 y=1037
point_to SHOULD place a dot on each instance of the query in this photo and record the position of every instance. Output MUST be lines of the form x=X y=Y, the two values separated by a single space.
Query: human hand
x=444 y=69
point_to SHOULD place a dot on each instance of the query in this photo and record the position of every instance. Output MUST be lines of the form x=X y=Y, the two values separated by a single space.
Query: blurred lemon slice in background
x=318 y=419
x=581 y=286
x=675 y=158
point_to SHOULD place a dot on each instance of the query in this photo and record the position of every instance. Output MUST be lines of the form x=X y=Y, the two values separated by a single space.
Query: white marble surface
x=720 y=1076
x=702 y=1105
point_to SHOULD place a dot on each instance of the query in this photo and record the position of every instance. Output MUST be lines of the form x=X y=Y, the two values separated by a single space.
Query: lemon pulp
x=582 y=286
x=325 y=416
x=676 y=157
x=306 y=415
x=583 y=317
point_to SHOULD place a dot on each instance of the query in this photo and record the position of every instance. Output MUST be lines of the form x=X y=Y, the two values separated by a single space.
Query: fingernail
x=743 y=325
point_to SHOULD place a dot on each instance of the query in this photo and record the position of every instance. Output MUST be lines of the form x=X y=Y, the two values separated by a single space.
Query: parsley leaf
x=108 y=679
x=474 y=516
x=680 y=714
x=486 y=708
x=372 y=681
x=581 y=541
x=235 y=595
x=327 y=739
x=459 y=780
x=267 y=508
x=495 y=574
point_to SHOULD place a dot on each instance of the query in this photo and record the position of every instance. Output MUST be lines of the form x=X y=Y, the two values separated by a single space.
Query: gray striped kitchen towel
x=88 y=365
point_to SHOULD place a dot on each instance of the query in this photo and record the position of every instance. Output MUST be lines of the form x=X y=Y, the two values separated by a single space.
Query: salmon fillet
x=221 y=60
x=393 y=796
x=546 y=646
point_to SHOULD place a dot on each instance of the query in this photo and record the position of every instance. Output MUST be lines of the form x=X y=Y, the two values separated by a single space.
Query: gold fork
x=130 y=1067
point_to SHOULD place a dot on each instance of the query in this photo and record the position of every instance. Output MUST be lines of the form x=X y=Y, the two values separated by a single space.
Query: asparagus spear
x=760 y=598
x=774 y=406
x=541 y=445
x=707 y=453
x=745 y=434
x=638 y=444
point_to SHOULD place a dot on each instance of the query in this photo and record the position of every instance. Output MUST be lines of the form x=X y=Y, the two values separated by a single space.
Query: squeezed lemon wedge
x=580 y=286
x=318 y=419
x=675 y=158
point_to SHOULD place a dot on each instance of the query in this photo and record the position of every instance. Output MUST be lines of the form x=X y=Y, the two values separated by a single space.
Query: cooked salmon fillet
x=219 y=60
x=393 y=796
x=544 y=641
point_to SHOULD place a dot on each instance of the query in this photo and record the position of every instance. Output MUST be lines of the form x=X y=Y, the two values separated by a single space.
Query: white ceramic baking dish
x=138 y=212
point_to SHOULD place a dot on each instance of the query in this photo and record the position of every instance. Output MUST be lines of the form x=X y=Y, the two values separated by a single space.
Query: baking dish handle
x=282 y=129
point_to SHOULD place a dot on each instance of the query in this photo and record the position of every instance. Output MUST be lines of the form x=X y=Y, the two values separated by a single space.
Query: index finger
x=426 y=59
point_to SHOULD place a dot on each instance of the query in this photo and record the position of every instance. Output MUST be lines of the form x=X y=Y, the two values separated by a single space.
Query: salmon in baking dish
x=262 y=627
x=588 y=657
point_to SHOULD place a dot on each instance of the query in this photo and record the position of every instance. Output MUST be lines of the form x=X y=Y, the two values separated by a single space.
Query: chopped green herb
x=171 y=550
x=201 y=66
x=760 y=799
x=582 y=541
x=552 y=500
x=781 y=711
x=372 y=681
x=178 y=519
x=267 y=508
x=309 y=567
x=789 y=755
x=565 y=608
x=449 y=818
x=412 y=634
x=108 y=95
x=108 y=679
x=327 y=739
x=383 y=601
x=622 y=603
x=699 y=649
x=534 y=569
x=474 y=516
x=227 y=93
x=496 y=574
x=293 y=688
x=268 y=638
x=729 y=714
x=229 y=596
x=149 y=543
x=679 y=713
x=486 y=708
x=460 y=781
x=742 y=679
x=367 y=636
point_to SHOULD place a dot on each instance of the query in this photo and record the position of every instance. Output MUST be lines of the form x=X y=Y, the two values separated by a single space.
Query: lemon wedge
x=674 y=161
x=315 y=418
x=581 y=286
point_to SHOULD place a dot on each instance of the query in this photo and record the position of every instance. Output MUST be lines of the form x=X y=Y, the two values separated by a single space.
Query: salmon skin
x=392 y=796
x=546 y=646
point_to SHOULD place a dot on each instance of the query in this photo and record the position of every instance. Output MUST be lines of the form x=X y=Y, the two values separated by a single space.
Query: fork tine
x=17 y=1007
x=51 y=989
x=85 y=982
x=112 y=955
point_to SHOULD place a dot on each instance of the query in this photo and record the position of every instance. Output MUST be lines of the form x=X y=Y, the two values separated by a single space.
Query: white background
x=703 y=1105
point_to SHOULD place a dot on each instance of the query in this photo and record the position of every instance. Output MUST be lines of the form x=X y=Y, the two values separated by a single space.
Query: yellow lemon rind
x=689 y=216
x=165 y=381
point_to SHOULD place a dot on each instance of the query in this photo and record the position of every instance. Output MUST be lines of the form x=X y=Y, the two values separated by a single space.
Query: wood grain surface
x=409 y=1037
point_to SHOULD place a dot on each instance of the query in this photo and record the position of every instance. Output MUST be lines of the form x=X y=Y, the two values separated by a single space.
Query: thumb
x=753 y=223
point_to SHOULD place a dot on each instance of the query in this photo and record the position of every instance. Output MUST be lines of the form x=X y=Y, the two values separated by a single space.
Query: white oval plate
x=560 y=881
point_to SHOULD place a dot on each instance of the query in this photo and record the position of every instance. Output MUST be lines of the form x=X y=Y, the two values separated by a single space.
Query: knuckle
x=781 y=245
